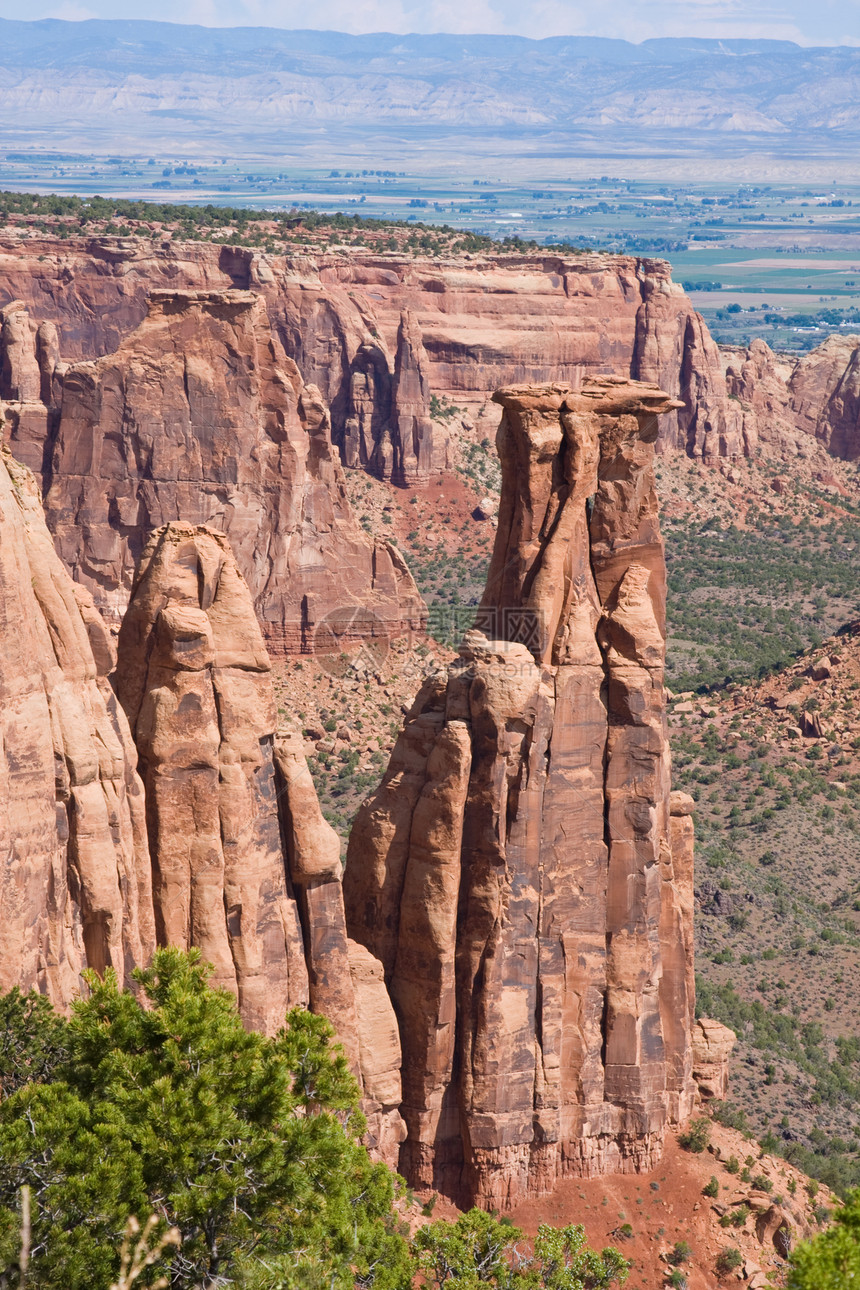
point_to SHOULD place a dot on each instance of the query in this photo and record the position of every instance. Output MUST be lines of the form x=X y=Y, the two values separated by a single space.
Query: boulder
x=712 y=1044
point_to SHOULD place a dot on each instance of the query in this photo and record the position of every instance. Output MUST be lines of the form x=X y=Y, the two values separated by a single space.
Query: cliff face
x=377 y=333
x=521 y=873
x=199 y=415
x=75 y=888
x=799 y=406
x=487 y=322
x=825 y=395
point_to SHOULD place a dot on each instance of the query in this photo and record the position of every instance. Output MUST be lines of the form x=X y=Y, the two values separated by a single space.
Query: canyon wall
x=798 y=406
x=377 y=333
x=76 y=887
x=522 y=873
x=199 y=415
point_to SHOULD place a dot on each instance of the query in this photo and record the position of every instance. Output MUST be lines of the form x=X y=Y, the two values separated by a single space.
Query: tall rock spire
x=514 y=872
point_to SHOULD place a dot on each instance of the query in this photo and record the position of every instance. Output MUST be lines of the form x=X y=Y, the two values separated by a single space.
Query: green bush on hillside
x=160 y=1118
x=478 y=1250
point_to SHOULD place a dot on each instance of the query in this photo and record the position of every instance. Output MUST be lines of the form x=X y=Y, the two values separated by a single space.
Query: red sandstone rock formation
x=482 y=323
x=244 y=865
x=75 y=889
x=515 y=872
x=417 y=446
x=200 y=416
x=803 y=406
x=712 y=1047
x=194 y=679
x=825 y=395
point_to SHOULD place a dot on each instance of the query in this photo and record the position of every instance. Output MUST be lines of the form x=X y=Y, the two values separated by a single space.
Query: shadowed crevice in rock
x=515 y=871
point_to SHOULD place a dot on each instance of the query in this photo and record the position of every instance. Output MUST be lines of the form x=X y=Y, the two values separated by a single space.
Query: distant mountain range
x=131 y=80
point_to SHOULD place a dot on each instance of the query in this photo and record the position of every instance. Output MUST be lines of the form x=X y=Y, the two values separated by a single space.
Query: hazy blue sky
x=808 y=22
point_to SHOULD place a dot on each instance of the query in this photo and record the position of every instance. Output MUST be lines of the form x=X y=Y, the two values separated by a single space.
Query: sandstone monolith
x=515 y=872
x=244 y=865
x=194 y=679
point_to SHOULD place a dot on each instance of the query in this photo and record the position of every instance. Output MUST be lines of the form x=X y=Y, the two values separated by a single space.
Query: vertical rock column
x=244 y=865
x=414 y=452
x=523 y=896
x=194 y=678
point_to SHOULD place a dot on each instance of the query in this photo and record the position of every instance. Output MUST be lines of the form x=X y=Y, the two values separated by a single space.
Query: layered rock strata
x=200 y=416
x=371 y=330
x=244 y=865
x=521 y=873
x=75 y=885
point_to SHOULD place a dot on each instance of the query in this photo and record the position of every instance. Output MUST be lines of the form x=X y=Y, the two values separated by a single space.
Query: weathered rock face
x=75 y=888
x=357 y=327
x=199 y=415
x=244 y=865
x=712 y=1047
x=674 y=349
x=825 y=395
x=417 y=446
x=515 y=872
x=799 y=406
x=194 y=679
x=484 y=323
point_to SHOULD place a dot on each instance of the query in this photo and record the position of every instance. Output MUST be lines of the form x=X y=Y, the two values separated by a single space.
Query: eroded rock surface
x=194 y=679
x=471 y=325
x=712 y=1047
x=515 y=871
x=798 y=406
x=75 y=887
x=244 y=865
x=200 y=416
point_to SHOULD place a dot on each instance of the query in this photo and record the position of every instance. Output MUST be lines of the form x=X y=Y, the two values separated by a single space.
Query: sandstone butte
x=524 y=873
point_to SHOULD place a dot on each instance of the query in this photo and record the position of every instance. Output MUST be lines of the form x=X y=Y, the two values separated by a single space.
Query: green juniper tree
x=478 y=1250
x=247 y=1145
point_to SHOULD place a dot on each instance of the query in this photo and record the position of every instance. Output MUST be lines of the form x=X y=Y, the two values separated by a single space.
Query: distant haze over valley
x=565 y=105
